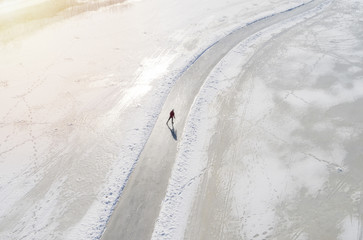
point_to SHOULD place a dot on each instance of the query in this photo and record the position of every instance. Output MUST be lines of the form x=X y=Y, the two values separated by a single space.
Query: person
x=171 y=116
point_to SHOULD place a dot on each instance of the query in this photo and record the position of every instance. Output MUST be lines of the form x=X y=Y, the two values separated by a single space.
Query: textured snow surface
x=271 y=144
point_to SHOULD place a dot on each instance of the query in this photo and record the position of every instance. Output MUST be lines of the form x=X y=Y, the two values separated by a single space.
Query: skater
x=172 y=116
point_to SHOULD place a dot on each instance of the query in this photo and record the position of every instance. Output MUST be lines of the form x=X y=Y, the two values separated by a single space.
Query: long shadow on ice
x=173 y=132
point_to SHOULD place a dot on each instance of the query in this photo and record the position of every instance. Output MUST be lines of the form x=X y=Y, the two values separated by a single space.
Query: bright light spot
x=9 y=6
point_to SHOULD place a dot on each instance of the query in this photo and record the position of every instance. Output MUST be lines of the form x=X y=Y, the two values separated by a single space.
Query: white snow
x=80 y=95
x=351 y=228
x=191 y=161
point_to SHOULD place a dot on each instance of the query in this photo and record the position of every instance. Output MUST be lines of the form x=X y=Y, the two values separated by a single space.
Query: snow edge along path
x=107 y=199
x=191 y=160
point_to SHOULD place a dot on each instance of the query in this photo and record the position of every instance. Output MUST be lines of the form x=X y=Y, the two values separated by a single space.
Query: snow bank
x=81 y=138
x=191 y=160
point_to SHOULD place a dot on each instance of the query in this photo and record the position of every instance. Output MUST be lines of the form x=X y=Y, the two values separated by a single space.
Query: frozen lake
x=267 y=136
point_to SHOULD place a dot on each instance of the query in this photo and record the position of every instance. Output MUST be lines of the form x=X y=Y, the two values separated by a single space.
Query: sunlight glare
x=9 y=6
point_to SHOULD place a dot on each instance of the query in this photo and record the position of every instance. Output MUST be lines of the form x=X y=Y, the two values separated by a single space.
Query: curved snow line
x=191 y=159
x=107 y=199
x=196 y=58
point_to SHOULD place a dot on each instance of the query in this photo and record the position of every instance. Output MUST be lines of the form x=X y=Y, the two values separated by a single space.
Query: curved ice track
x=190 y=164
x=138 y=207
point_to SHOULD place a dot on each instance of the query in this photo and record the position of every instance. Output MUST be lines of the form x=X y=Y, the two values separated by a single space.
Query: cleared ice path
x=139 y=205
x=191 y=162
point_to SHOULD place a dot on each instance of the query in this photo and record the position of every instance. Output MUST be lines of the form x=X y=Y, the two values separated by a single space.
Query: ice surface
x=269 y=128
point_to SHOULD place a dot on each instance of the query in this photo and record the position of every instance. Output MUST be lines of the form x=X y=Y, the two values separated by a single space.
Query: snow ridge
x=191 y=160
x=185 y=184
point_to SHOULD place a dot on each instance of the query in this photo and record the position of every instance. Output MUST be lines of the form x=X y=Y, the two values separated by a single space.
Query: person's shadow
x=173 y=132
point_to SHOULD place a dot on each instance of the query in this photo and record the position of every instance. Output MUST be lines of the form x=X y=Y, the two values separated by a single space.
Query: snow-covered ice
x=268 y=134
